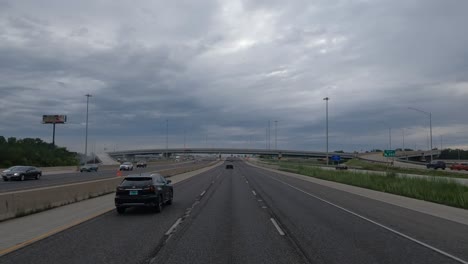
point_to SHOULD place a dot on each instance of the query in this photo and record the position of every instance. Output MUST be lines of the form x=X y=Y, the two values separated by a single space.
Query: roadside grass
x=437 y=190
x=361 y=164
x=365 y=165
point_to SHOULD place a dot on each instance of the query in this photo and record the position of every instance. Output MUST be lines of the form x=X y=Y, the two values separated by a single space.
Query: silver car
x=128 y=166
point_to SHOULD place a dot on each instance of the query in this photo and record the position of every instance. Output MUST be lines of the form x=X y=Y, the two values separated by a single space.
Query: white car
x=128 y=166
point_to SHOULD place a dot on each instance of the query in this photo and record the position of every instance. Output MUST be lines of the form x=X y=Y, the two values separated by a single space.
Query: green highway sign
x=389 y=153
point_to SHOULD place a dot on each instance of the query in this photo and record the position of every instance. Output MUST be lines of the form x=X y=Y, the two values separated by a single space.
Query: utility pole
x=86 y=137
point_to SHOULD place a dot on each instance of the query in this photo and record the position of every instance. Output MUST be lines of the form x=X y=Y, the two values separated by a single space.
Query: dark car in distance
x=341 y=167
x=229 y=167
x=21 y=173
x=144 y=190
x=141 y=164
x=89 y=168
x=436 y=164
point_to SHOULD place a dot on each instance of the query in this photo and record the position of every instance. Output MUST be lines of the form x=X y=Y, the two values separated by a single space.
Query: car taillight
x=151 y=188
x=120 y=189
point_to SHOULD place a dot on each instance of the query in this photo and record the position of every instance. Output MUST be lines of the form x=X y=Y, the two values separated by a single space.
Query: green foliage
x=454 y=154
x=438 y=190
x=34 y=152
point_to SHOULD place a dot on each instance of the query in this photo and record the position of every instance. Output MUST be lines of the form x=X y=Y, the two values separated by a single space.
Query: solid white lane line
x=173 y=227
x=376 y=223
x=254 y=193
x=203 y=193
x=280 y=231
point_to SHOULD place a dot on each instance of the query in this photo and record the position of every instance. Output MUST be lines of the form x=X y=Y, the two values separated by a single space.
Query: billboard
x=54 y=119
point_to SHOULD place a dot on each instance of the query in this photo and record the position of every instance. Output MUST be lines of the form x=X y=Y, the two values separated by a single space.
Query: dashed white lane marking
x=173 y=227
x=203 y=193
x=378 y=224
x=280 y=231
x=254 y=193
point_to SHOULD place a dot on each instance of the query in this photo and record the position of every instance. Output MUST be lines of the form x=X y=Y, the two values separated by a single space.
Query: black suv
x=436 y=164
x=229 y=166
x=147 y=190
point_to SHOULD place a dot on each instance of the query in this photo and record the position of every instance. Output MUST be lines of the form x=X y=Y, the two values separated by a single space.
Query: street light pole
x=430 y=123
x=390 y=137
x=269 y=135
x=326 y=103
x=276 y=134
x=167 y=138
x=86 y=137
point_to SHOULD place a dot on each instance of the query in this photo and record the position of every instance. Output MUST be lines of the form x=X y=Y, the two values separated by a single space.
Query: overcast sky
x=220 y=70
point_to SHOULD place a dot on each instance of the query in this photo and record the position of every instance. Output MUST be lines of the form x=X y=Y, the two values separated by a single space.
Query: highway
x=74 y=177
x=251 y=215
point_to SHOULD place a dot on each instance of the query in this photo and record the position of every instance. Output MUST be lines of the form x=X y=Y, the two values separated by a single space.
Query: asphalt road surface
x=250 y=215
x=64 y=178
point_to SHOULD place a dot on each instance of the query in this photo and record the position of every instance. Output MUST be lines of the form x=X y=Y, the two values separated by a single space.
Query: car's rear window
x=140 y=181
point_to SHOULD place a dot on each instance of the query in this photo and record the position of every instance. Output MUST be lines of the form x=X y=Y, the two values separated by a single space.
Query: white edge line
x=173 y=227
x=254 y=193
x=378 y=224
x=280 y=231
x=203 y=193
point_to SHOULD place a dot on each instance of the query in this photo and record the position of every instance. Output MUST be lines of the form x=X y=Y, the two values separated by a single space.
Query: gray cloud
x=221 y=69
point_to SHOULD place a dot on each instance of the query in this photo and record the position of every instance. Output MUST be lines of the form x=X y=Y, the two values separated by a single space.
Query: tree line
x=454 y=154
x=34 y=152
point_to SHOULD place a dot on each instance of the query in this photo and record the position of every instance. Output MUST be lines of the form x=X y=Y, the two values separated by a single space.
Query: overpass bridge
x=130 y=154
x=402 y=155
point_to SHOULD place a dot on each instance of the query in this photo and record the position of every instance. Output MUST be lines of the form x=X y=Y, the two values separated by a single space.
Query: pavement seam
x=271 y=214
x=188 y=213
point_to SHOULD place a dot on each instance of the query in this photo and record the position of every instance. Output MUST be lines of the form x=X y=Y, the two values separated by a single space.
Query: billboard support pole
x=53 y=135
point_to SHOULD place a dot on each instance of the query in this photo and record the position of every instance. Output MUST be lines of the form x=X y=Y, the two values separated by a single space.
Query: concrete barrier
x=20 y=203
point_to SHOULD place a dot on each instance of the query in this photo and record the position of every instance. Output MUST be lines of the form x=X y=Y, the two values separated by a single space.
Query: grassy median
x=437 y=190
